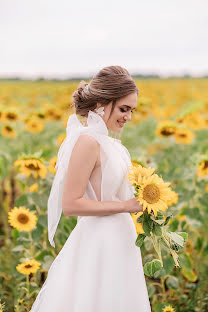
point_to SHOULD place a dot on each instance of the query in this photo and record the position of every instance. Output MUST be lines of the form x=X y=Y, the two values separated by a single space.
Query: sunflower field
x=168 y=132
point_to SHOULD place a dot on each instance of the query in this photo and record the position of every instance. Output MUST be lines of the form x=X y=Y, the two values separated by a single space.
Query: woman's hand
x=132 y=205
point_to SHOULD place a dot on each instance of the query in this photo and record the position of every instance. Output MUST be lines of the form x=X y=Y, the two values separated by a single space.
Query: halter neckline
x=94 y=121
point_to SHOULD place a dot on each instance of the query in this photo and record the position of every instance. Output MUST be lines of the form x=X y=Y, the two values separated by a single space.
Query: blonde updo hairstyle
x=109 y=84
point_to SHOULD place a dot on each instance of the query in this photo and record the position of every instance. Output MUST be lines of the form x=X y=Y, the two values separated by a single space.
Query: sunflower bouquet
x=155 y=196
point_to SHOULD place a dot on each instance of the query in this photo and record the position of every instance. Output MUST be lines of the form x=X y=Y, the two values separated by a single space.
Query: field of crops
x=168 y=131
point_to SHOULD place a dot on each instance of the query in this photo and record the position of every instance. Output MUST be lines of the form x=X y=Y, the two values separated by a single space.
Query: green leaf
x=140 y=239
x=151 y=267
x=47 y=262
x=160 y=221
x=21 y=200
x=185 y=261
x=172 y=282
x=190 y=275
x=167 y=219
x=176 y=238
x=184 y=235
x=42 y=220
x=168 y=264
x=199 y=243
x=15 y=233
x=18 y=248
x=151 y=290
x=147 y=224
x=174 y=225
x=157 y=230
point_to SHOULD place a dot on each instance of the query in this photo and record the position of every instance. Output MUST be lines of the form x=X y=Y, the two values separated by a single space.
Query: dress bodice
x=115 y=161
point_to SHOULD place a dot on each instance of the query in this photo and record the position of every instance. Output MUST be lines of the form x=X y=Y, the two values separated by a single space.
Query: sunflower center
x=151 y=193
x=34 y=125
x=167 y=131
x=32 y=167
x=11 y=116
x=182 y=135
x=8 y=128
x=28 y=266
x=205 y=164
x=22 y=218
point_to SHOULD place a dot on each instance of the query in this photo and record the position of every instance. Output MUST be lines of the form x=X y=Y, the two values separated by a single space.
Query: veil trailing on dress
x=95 y=124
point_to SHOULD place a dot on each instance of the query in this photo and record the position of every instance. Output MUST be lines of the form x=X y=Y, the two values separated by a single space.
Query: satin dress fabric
x=99 y=268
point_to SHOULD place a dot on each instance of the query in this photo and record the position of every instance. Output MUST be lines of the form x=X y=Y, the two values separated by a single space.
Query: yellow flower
x=137 y=174
x=33 y=187
x=184 y=136
x=34 y=126
x=166 y=128
x=9 y=116
x=139 y=227
x=52 y=163
x=203 y=168
x=135 y=163
x=30 y=166
x=53 y=113
x=172 y=200
x=194 y=120
x=22 y=219
x=168 y=309
x=61 y=139
x=154 y=194
x=30 y=266
x=8 y=131
x=206 y=189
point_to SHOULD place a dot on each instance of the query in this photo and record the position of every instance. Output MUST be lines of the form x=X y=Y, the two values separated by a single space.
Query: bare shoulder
x=86 y=143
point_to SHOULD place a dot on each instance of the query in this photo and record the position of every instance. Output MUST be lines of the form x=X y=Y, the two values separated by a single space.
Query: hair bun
x=108 y=85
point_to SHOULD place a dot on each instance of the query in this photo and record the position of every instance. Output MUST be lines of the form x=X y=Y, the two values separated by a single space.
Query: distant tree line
x=139 y=76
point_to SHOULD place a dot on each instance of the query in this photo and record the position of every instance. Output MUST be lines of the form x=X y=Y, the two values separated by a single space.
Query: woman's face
x=121 y=113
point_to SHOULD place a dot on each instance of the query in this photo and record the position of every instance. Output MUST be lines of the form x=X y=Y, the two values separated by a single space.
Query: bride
x=99 y=268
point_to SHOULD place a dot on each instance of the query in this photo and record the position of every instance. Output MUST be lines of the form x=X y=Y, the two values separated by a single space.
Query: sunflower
x=138 y=226
x=30 y=166
x=137 y=174
x=194 y=120
x=30 y=266
x=183 y=135
x=154 y=194
x=206 y=188
x=52 y=163
x=61 y=139
x=22 y=219
x=166 y=128
x=174 y=199
x=168 y=309
x=8 y=131
x=203 y=168
x=33 y=187
x=34 y=126
x=53 y=113
x=9 y=116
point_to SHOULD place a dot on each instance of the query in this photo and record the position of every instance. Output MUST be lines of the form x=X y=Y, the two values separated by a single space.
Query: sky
x=59 y=39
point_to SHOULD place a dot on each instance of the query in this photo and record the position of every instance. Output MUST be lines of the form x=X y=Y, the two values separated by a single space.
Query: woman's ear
x=98 y=105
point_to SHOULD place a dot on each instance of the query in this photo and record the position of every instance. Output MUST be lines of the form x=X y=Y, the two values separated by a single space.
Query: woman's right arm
x=82 y=161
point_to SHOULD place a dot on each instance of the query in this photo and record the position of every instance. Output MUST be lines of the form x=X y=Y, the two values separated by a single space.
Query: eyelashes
x=124 y=111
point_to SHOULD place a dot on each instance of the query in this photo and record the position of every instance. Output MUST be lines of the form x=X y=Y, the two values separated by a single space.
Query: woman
x=99 y=269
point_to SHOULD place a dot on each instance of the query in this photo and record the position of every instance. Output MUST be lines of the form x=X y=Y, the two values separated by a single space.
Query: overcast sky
x=70 y=38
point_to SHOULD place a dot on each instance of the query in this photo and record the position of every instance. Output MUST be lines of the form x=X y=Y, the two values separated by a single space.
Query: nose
x=127 y=115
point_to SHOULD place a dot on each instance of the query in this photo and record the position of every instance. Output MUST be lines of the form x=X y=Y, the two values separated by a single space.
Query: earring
x=100 y=111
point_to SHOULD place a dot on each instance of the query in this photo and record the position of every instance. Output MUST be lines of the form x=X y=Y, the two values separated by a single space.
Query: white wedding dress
x=99 y=268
